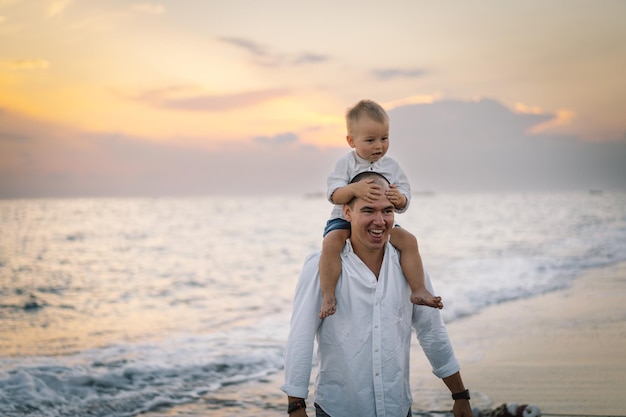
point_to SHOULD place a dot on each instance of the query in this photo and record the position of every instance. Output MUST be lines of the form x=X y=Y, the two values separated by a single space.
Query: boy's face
x=370 y=139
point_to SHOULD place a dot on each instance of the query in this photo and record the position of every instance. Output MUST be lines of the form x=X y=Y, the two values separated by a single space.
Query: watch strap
x=296 y=405
x=463 y=395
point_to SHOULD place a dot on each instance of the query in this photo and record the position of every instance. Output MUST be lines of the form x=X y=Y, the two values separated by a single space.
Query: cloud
x=389 y=73
x=148 y=8
x=40 y=159
x=308 y=58
x=443 y=146
x=57 y=7
x=180 y=98
x=248 y=45
x=263 y=57
x=280 y=139
x=474 y=146
x=27 y=64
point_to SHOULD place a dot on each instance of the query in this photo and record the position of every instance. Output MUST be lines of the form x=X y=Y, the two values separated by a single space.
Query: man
x=364 y=348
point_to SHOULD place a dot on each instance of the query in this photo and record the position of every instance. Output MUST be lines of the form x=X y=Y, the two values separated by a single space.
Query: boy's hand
x=367 y=190
x=395 y=197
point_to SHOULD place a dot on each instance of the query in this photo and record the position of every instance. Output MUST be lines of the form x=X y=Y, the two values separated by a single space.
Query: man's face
x=370 y=222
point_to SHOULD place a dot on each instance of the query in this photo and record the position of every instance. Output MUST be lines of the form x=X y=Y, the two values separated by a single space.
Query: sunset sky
x=194 y=97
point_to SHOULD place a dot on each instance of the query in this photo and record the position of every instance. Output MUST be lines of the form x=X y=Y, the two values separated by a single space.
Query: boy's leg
x=411 y=263
x=330 y=269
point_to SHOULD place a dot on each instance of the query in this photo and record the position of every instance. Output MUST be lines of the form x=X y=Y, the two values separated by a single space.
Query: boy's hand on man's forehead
x=368 y=190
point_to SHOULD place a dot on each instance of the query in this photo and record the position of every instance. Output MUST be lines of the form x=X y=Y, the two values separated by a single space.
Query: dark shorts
x=321 y=413
x=336 y=224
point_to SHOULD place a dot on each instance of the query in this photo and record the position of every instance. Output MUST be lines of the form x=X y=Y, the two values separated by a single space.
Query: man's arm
x=461 y=406
x=433 y=337
x=304 y=323
x=300 y=412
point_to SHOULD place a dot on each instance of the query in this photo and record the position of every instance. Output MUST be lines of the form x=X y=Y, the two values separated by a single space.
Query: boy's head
x=368 y=130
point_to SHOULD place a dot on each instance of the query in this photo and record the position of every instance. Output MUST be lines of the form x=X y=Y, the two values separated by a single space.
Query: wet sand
x=564 y=351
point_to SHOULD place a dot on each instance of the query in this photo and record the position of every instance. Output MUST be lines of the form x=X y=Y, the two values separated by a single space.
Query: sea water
x=114 y=307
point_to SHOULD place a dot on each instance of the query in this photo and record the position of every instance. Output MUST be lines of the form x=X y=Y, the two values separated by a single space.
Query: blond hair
x=368 y=108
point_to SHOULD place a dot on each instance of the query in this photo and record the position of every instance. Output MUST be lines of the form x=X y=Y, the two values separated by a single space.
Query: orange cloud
x=561 y=118
x=27 y=64
x=148 y=8
x=180 y=98
x=57 y=7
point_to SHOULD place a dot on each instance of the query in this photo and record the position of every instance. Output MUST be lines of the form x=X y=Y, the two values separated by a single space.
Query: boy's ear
x=350 y=141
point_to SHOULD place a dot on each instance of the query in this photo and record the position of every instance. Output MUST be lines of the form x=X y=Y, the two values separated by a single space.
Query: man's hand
x=395 y=197
x=462 y=408
x=299 y=413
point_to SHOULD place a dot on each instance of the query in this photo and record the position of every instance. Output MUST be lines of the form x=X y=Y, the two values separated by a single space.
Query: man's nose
x=379 y=218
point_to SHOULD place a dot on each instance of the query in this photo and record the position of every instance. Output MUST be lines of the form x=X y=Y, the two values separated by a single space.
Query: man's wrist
x=463 y=395
x=296 y=404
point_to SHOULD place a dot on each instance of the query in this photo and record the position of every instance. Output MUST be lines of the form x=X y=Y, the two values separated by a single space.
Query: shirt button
x=376 y=350
x=376 y=327
x=377 y=374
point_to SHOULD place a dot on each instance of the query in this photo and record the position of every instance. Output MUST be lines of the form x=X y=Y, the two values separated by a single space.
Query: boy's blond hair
x=368 y=108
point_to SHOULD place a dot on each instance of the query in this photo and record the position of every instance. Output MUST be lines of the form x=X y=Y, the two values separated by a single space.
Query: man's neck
x=372 y=258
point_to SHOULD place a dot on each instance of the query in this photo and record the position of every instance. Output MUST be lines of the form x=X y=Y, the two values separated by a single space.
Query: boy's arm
x=400 y=180
x=338 y=178
x=343 y=195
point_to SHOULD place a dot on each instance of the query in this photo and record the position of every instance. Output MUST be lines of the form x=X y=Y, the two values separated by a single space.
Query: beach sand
x=564 y=351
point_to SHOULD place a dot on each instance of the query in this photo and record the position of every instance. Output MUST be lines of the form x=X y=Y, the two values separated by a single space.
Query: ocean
x=121 y=306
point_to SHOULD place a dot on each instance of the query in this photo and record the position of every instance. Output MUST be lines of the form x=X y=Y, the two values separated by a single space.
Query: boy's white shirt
x=352 y=164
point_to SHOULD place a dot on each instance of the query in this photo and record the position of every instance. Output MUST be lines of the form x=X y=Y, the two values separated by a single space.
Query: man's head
x=368 y=130
x=370 y=223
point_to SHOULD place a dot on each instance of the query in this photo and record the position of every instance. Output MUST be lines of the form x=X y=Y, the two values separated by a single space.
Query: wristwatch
x=463 y=395
x=296 y=405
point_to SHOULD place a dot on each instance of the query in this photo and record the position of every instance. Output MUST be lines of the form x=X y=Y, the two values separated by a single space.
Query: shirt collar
x=365 y=161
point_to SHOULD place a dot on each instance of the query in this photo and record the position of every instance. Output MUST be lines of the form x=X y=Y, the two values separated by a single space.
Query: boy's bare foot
x=329 y=306
x=425 y=298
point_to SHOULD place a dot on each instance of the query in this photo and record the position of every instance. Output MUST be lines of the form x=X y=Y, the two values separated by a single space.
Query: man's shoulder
x=312 y=257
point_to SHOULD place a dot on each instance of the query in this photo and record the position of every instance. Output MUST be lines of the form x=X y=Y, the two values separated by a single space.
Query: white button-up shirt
x=364 y=348
x=352 y=164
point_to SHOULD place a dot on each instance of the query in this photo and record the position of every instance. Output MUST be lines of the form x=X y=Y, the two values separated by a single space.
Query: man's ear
x=350 y=141
x=347 y=212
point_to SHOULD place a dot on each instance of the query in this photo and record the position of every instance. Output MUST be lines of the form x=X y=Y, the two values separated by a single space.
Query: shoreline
x=562 y=351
